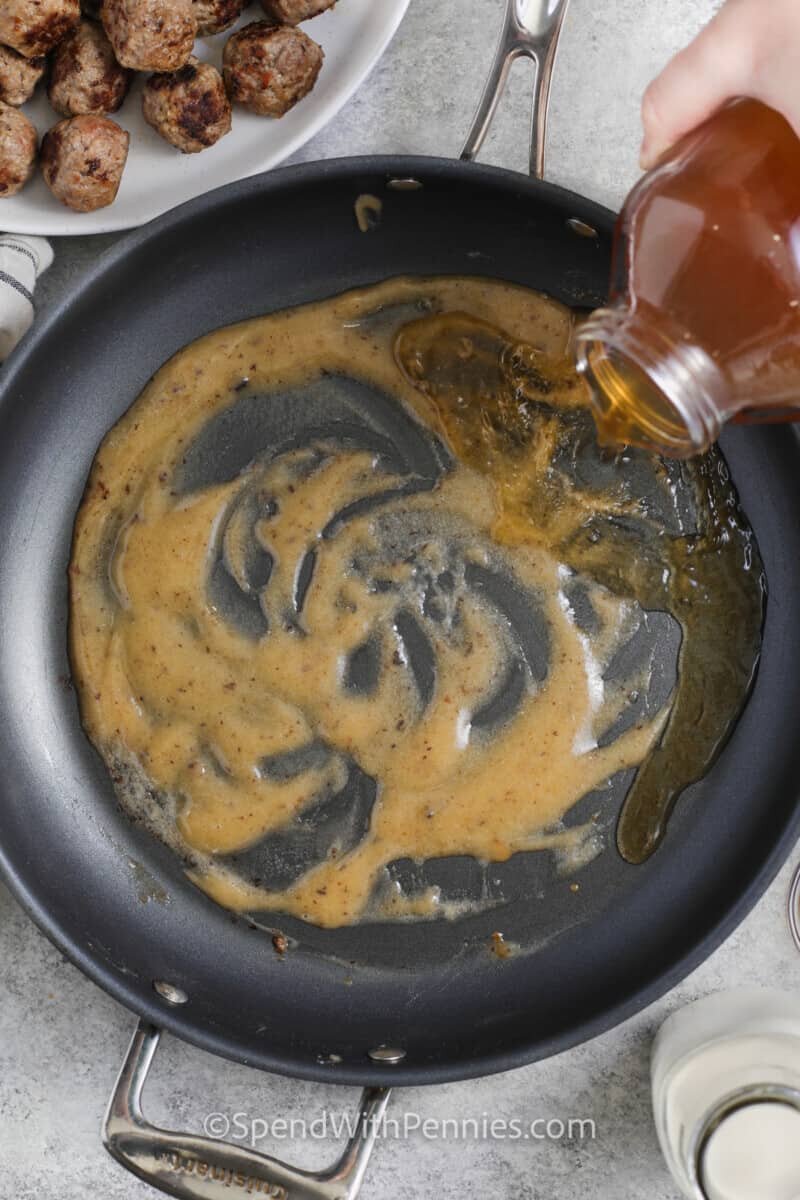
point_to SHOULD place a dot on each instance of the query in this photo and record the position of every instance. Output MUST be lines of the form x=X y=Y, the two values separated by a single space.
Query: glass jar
x=726 y=1096
x=703 y=324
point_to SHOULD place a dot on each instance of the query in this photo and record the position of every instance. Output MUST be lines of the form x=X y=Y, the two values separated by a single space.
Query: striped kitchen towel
x=22 y=260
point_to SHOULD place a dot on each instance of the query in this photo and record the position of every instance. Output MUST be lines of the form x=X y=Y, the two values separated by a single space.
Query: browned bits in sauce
x=500 y=947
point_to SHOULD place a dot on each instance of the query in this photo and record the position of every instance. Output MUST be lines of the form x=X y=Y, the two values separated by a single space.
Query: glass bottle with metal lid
x=726 y=1096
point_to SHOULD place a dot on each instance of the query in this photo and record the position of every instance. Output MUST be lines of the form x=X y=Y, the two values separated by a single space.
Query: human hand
x=750 y=48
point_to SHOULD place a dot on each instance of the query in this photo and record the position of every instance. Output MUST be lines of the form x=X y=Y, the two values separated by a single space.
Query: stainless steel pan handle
x=530 y=30
x=202 y=1168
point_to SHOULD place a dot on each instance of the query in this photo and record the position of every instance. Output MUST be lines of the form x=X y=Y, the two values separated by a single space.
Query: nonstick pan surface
x=116 y=901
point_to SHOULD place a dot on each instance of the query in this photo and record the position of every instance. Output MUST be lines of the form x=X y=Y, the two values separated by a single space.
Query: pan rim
x=522 y=1051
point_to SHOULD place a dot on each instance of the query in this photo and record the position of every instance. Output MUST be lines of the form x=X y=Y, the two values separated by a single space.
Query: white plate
x=354 y=35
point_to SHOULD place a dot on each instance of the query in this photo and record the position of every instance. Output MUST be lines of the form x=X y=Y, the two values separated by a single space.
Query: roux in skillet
x=340 y=598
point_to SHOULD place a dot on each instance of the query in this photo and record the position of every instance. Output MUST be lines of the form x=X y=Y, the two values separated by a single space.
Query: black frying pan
x=264 y=244
x=116 y=901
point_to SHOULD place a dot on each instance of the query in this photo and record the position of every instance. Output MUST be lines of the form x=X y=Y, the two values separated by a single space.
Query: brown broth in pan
x=354 y=583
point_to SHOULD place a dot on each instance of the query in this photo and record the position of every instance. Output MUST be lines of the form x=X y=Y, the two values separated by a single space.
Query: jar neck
x=650 y=384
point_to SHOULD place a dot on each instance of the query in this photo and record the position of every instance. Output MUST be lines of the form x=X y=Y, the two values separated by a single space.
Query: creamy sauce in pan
x=246 y=646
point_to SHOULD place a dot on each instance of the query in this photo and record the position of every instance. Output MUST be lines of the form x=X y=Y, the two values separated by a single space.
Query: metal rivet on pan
x=170 y=993
x=404 y=185
x=581 y=228
x=387 y=1055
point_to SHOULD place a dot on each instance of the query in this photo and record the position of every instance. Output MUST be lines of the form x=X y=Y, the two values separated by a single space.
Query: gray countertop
x=62 y=1040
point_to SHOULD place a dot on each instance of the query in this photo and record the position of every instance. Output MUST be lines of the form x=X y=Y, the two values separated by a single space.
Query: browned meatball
x=292 y=12
x=189 y=107
x=268 y=68
x=150 y=35
x=85 y=77
x=34 y=26
x=18 y=75
x=82 y=161
x=215 y=15
x=17 y=150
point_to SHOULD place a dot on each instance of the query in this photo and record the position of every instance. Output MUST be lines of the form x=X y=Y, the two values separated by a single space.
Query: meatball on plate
x=82 y=161
x=188 y=107
x=189 y=132
x=85 y=77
